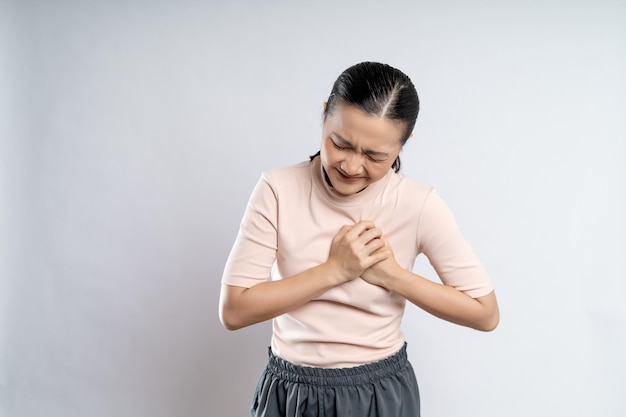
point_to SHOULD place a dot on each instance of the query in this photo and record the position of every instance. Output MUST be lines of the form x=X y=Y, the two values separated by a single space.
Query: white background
x=132 y=132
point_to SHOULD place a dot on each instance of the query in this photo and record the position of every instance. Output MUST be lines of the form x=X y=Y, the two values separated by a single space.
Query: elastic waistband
x=357 y=375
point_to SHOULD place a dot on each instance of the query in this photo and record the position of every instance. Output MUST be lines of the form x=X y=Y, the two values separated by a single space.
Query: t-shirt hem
x=241 y=282
x=481 y=292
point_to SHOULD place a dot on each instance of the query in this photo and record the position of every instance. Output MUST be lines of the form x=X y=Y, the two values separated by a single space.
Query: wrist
x=393 y=278
x=332 y=273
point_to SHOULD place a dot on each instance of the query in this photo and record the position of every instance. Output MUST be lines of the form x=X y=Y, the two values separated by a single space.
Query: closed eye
x=376 y=158
x=341 y=148
x=372 y=156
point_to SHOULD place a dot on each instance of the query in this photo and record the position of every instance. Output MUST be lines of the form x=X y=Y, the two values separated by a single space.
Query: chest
x=305 y=235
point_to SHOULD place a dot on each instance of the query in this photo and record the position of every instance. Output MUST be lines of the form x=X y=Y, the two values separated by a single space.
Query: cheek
x=328 y=153
x=379 y=170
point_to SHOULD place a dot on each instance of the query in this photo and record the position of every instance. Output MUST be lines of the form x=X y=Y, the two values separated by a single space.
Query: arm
x=466 y=295
x=353 y=249
x=440 y=300
x=241 y=307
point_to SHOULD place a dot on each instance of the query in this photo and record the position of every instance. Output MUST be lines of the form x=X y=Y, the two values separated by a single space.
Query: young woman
x=326 y=249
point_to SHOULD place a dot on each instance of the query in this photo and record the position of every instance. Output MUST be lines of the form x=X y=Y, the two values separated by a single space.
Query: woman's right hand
x=353 y=249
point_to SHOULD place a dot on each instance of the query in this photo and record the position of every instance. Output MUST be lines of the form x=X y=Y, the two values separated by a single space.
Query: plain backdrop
x=132 y=132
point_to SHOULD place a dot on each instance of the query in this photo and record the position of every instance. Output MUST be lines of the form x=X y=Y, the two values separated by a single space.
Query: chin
x=349 y=189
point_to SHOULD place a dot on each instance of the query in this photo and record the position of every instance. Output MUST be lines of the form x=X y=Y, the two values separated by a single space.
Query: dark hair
x=380 y=90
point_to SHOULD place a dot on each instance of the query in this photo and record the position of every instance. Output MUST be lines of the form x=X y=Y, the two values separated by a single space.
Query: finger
x=360 y=227
x=345 y=229
x=380 y=255
x=370 y=234
x=387 y=244
x=342 y=232
x=377 y=256
x=374 y=245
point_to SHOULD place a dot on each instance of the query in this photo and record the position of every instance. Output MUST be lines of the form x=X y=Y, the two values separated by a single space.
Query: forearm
x=241 y=307
x=444 y=301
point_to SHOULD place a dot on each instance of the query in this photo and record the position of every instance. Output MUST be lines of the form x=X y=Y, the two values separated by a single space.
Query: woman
x=339 y=235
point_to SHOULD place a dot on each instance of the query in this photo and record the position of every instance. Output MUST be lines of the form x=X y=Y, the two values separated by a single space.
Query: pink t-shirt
x=288 y=226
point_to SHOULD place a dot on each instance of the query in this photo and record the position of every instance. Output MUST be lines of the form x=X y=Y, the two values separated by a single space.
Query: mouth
x=348 y=178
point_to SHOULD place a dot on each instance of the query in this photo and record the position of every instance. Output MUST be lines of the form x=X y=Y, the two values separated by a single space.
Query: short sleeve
x=440 y=239
x=254 y=250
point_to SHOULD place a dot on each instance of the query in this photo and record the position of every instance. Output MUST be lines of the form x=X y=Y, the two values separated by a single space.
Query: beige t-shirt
x=288 y=226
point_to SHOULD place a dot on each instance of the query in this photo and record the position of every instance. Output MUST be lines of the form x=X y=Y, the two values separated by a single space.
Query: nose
x=352 y=165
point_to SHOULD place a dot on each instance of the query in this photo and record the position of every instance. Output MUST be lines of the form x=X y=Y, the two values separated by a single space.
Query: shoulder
x=409 y=190
x=277 y=186
x=290 y=177
x=301 y=168
x=420 y=199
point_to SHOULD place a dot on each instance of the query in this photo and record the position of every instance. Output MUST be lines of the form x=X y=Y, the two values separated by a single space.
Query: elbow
x=229 y=320
x=490 y=323
x=488 y=326
x=489 y=316
x=229 y=324
x=230 y=312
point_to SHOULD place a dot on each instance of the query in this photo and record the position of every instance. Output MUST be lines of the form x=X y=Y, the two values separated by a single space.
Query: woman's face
x=358 y=149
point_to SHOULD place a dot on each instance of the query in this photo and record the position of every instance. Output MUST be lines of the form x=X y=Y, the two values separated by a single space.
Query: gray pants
x=386 y=388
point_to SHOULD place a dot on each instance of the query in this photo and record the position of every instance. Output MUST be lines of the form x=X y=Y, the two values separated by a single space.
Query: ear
x=325 y=105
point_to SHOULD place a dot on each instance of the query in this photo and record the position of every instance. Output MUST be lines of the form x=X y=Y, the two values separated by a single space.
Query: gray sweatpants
x=386 y=388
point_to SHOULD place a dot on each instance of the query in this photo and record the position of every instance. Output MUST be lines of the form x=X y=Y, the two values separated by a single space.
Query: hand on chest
x=304 y=238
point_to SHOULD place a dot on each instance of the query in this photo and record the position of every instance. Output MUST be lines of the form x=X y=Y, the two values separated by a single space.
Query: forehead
x=362 y=129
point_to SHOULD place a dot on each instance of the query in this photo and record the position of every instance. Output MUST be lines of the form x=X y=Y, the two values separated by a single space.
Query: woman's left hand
x=382 y=272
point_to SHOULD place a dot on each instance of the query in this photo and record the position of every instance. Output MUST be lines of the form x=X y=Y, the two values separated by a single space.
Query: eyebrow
x=345 y=141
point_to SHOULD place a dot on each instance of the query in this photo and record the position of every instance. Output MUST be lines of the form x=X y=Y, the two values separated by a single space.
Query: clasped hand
x=361 y=250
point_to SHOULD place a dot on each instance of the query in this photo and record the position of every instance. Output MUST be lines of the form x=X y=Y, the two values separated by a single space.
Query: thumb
x=341 y=233
x=345 y=229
